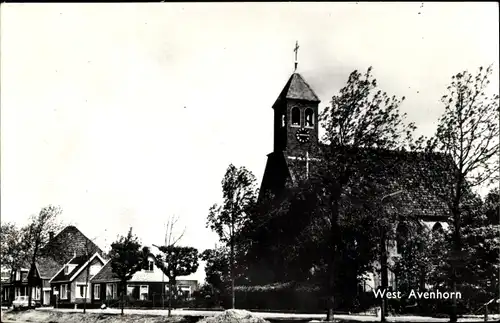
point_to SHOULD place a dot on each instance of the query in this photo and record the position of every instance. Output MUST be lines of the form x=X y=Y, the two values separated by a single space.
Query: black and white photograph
x=250 y=162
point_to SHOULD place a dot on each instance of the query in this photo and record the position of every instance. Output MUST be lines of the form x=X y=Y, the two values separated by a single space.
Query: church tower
x=296 y=118
x=296 y=132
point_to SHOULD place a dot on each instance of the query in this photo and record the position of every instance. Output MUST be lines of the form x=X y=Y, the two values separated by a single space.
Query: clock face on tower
x=302 y=135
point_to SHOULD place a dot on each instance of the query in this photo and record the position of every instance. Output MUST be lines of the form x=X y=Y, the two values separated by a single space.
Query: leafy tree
x=361 y=118
x=217 y=271
x=175 y=261
x=127 y=258
x=13 y=252
x=36 y=236
x=492 y=206
x=467 y=132
x=481 y=246
x=239 y=196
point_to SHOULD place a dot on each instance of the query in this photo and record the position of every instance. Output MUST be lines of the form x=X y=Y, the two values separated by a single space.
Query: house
x=60 y=249
x=145 y=286
x=16 y=284
x=5 y=280
x=70 y=283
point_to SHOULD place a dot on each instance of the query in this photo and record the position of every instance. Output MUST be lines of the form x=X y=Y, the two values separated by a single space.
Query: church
x=296 y=155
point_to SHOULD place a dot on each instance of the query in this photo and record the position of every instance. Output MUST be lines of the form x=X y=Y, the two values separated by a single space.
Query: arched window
x=401 y=237
x=295 y=116
x=438 y=227
x=309 y=117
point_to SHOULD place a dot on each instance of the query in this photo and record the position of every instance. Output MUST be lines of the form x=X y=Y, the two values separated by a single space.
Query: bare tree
x=172 y=237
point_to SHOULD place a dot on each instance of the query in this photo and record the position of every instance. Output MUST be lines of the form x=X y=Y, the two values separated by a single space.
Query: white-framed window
x=81 y=290
x=111 y=291
x=151 y=265
x=18 y=275
x=97 y=291
x=35 y=292
x=144 y=292
x=63 y=292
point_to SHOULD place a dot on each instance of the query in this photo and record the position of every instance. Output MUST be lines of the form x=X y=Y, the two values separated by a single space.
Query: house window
x=64 y=291
x=97 y=291
x=111 y=291
x=295 y=116
x=151 y=265
x=81 y=290
x=18 y=275
x=66 y=270
x=35 y=292
x=309 y=117
x=17 y=291
x=437 y=228
x=94 y=269
x=283 y=121
x=144 y=292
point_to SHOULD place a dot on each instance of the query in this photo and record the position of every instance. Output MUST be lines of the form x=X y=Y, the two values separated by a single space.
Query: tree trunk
x=86 y=290
x=122 y=296
x=170 y=286
x=383 y=273
x=457 y=246
x=30 y=275
x=331 y=265
x=231 y=260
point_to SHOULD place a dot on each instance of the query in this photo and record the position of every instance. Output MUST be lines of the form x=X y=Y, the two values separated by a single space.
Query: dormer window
x=309 y=118
x=295 y=116
x=18 y=275
x=66 y=270
x=150 y=266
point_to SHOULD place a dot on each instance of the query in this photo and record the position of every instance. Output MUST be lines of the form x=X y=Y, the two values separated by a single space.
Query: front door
x=46 y=297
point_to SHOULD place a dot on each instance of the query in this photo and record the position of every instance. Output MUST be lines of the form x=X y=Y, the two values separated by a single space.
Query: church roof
x=400 y=170
x=298 y=89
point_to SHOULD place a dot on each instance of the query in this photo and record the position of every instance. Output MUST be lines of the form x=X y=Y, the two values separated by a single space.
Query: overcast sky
x=124 y=114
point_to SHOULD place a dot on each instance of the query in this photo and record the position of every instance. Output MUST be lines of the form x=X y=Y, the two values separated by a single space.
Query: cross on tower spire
x=296 y=50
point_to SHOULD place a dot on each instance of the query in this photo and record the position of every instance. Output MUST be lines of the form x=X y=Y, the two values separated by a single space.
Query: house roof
x=77 y=262
x=298 y=89
x=106 y=275
x=47 y=267
x=67 y=243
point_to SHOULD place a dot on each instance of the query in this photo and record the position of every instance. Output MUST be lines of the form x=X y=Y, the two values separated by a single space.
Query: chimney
x=51 y=235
